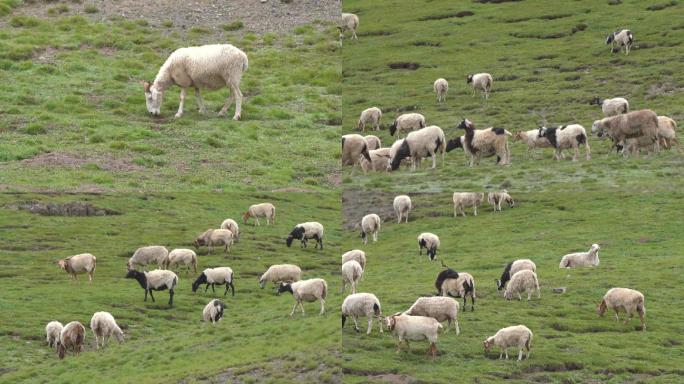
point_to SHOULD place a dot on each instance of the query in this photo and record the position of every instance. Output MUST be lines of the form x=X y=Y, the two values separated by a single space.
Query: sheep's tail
x=245 y=64
x=325 y=290
x=528 y=342
x=376 y=309
x=365 y=153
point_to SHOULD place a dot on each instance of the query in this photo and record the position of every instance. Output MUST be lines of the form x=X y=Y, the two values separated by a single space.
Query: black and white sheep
x=496 y=198
x=278 y=273
x=611 y=107
x=566 y=137
x=482 y=82
x=370 y=224
x=430 y=242
x=104 y=326
x=215 y=276
x=440 y=308
x=479 y=143
x=626 y=300
x=82 y=263
x=379 y=160
x=256 y=211
x=512 y=268
x=581 y=259
x=441 y=87
x=306 y=231
x=157 y=280
x=465 y=200
x=402 y=207
x=371 y=116
x=514 y=336
x=362 y=304
x=306 y=291
x=213 y=311
x=419 y=144
x=523 y=281
x=414 y=328
x=456 y=284
x=406 y=123
x=623 y=38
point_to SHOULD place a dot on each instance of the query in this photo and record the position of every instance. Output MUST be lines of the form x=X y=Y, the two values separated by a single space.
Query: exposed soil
x=394 y=378
x=357 y=203
x=73 y=208
x=60 y=159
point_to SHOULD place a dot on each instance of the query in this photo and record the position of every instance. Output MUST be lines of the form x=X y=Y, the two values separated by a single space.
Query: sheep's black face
x=469 y=79
x=453 y=144
x=132 y=274
x=288 y=241
x=610 y=38
x=393 y=128
x=465 y=124
x=284 y=288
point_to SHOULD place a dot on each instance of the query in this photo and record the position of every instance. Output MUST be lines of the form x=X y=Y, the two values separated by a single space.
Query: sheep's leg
x=183 y=93
x=370 y=325
x=322 y=306
x=301 y=306
x=434 y=160
x=356 y=324
x=475 y=211
x=529 y=295
x=228 y=103
x=641 y=317
x=576 y=155
x=293 y=309
x=399 y=346
x=457 y=327
x=90 y=277
x=506 y=350
x=200 y=102
x=501 y=353
x=238 y=103
x=146 y=295
x=617 y=318
x=520 y=354
x=212 y=288
x=151 y=295
x=406 y=217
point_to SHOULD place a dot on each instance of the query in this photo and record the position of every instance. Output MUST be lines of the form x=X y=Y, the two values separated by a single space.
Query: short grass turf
x=547 y=58
x=641 y=242
x=255 y=341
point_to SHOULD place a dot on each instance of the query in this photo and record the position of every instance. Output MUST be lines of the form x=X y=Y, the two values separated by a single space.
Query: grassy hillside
x=641 y=244
x=548 y=58
x=256 y=338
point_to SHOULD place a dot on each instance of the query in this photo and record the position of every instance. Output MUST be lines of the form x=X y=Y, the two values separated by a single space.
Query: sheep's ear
x=146 y=85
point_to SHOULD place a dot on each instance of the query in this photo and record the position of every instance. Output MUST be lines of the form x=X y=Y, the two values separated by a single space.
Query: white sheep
x=214 y=276
x=512 y=268
x=402 y=207
x=482 y=82
x=355 y=254
x=348 y=21
x=611 y=107
x=351 y=274
x=104 y=326
x=256 y=211
x=71 y=337
x=440 y=308
x=581 y=259
x=565 y=137
x=153 y=254
x=370 y=224
x=419 y=144
x=214 y=237
x=523 y=281
x=184 y=256
x=414 y=328
x=465 y=200
x=157 y=280
x=533 y=140
x=372 y=116
x=353 y=148
x=514 y=336
x=306 y=231
x=456 y=284
x=52 y=331
x=206 y=67
x=213 y=311
x=81 y=263
x=406 y=123
x=379 y=158
x=306 y=291
x=627 y=300
x=362 y=304
x=496 y=198
x=667 y=131
x=479 y=143
x=280 y=273
x=232 y=226
x=623 y=38
x=441 y=87
x=430 y=242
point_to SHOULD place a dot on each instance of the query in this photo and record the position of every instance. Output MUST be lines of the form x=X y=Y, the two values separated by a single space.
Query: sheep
x=496 y=198
x=370 y=224
x=379 y=160
x=479 y=143
x=306 y=231
x=512 y=268
x=567 y=136
x=349 y=21
x=306 y=290
x=430 y=242
x=467 y=199
x=629 y=125
x=232 y=226
x=533 y=140
x=71 y=337
x=256 y=211
x=623 y=299
x=280 y=273
x=623 y=38
x=667 y=131
x=392 y=152
x=187 y=257
x=581 y=259
x=208 y=67
x=373 y=142
x=611 y=107
x=372 y=116
x=414 y=328
x=355 y=254
x=104 y=326
x=514 y=336
x=362 y=304
x=81 y=263
x=407 y=122
x=52 y=331
x=353 y=147
x=351 y=274
x=440 y=308
x=213 y=311
x=213 y=237
x=441 y=87
x=481 y=81
x=143 y=256
x=523 y=281
x=402 y=207
x=456 y=284
x=157 y=280
x=214 y=276
x=425 y=142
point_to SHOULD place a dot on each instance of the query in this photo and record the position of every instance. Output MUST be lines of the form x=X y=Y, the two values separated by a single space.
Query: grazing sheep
x=355 y=254
x=379 y=160
x=402 y=207
x=213 y=311
x=187 y=257
x=630 y=125
x=414 y=328
x=256 y=211
x=362 y=304
x=373 y=142
x=157 y=280
x=280 y=273
x=515 y=336
x=370 y=224
x=623 y=38
x=306 y=231
x=213 y=237
x=71 y=337
x=467 y=199
x=406 y=161
x=533 y=140
x=441 y=87
x=522 y=281
x=623 y=299
x=206 y=67
x=480 y=143
x=215 y=276
x=512 y=268
x=430 y=242
x=425 y=142
x=407 y=122
x=496 y=198
x=349 y=21
x=581 y=259
x=232 y=226
x=353 y=148
x=481 y=81
x=611 y=107
x=370 y=116
x=52 y=331
x=456 y=284
x=440 y=308
x=667 y=131
x=153 y=254
x=104 y=326
x=306 y=291
x=565 y=137
x=81 y=263
x=351 y=274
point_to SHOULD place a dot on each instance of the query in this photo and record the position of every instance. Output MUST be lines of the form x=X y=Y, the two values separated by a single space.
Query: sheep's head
x=245 y=217
x=200 y=280
x=488 y=344
x=393 y=128
x=153 y=98
x=289 y=240
x=508 y=294
x=119 y=335
x=518 y=136
x=610 y=38
x=454 y=143
x=262 y=283
x=596 y=101
x=62 y=263
x=601 y=308
x=391 y=321
x=199 y=242
x=469 y=79
x=401 y=153
x=598 y=128
x=595 y=247
x=284 y=287
x=466 y=124
x=499 y=286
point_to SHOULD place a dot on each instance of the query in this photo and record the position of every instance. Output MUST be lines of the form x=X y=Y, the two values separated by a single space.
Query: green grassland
x=73 y=116
x=641 y=241
x=547 y=58
x=255 y=342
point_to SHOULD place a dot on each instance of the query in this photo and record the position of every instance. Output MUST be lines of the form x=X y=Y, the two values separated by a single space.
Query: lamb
x=512 y=268
x=629 y=125
x=414 y=328
x=467 y=199
x=456 y=284
x=379 y=160
x=441 y=87
x=407 y=122
x=667 y=131
x=514 y=336
x=157 y=280
x=567 y=136
x=52 y=331
x=187 y=257
x=71 y=337
x=104 y=326
x=533 y=140
x=208 y=67
x=371 y=116
x=581 y=259
x=496 y=198
x=373 y=142
x=634 y=145
x=425 y=142
x=232 y=226
x=440 y=308
x=355 y=254
x=351 y=274
x=306 y=291
x=353 y=147
x=480 y=143
x=370 y=224
x=481 y=81
x=280 y=273
x=143 y=256
x=623 y=299
x=213 y=237
x=402 y=207
x=623 y=38
x=362 y=304
x=213 y=311
x=430 y=242
x=349 y=21
x=306 y=231
x=256 y=211
x=611 y=107
x=81 y=263
x=215 y=276
x=522 y=281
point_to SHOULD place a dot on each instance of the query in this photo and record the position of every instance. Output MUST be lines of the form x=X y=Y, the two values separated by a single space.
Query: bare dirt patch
x=357 y=203
x=394 y=378
x=404 y=65
x=67 y=160
x=73 y=208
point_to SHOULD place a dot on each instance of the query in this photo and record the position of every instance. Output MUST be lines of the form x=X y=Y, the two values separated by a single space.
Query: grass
x=256 y=338
x=641 y=242
x=547 y=58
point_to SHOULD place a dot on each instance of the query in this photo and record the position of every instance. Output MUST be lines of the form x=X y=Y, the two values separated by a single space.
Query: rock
x=559 y=290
